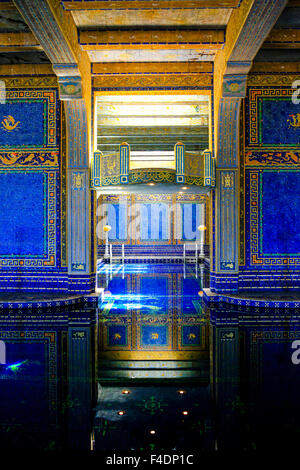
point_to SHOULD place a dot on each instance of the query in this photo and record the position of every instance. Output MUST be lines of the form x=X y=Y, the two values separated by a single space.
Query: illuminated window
x=152 y=125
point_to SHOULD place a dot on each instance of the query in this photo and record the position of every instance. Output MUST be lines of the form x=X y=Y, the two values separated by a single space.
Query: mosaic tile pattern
x=30 y=161
x=269 y=217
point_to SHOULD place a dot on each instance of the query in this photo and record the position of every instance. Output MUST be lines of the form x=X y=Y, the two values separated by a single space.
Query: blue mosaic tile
x=117 y=335
x=154 y=336
x=191 y=335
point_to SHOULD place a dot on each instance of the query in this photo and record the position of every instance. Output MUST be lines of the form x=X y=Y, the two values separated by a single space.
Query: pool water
x=151 y=369
x=152 y=312
x=151 y=289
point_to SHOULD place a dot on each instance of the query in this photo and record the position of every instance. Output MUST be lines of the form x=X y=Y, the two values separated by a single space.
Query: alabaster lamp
x=106 y=230
x=202 y=229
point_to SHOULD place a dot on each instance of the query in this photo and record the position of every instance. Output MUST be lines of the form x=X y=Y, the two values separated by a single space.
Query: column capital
x=69 y=81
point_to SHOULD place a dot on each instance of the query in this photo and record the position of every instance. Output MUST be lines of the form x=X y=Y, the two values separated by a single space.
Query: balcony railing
x=180 y=167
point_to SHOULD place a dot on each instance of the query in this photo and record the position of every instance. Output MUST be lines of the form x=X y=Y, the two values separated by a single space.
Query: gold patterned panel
x=193 y=164
x=113 y=68
x=110 y=165
x=146 y=175
x=144 y=81
x=271 y=79
x=30 y=82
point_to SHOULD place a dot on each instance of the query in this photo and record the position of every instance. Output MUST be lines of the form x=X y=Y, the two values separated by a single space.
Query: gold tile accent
x=271 y=79
x=153 y=355
x=120 y=81
x=110 y=68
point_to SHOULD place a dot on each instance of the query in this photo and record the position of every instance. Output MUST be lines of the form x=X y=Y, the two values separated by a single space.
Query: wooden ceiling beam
x=149 y=5
x=24 y=69
x=283 y=38
x=4 y=6
x=275 y=67
x=98 y=40
x=11 y=40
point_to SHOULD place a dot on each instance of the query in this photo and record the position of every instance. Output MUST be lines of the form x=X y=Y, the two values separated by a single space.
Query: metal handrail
x=199 y=252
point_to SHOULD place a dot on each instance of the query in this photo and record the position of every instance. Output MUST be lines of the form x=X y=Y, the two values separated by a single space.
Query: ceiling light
x=151 y=184
x=185 y=413
x=152 y=432
x=185 y=187
x=126 y=392
x=121 y=413
x=181 y=392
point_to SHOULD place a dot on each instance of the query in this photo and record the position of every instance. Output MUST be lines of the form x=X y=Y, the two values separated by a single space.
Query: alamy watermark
x=2 y=352
x=296 y=354
x=296 y=93
x=2 y=92
x=144 y=221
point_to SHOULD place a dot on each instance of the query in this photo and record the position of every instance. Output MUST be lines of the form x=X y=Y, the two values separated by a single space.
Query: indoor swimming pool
x=152 y=313
x=155 y=289
x=149 y=368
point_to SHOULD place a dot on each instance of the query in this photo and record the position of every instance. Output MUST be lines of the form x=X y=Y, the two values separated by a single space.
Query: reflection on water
x=151 y=313
x=151 y=369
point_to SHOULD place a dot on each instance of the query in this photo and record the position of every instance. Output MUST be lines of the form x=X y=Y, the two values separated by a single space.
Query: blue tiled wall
x=275 y=125
x=280 y=225
x=31 y=167
x=23 y=206
x=270 y=250
x=28 y=127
